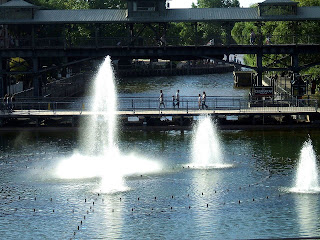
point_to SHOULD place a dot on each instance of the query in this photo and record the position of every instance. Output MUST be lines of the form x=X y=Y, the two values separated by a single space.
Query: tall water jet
x=206 y=147
x=307 y=171
x=100 y=155
x=101 y=128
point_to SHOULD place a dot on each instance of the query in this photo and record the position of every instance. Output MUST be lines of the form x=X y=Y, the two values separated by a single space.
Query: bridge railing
x=101 y=42
x=186 y=103
x=281 y=39
x=293 y=105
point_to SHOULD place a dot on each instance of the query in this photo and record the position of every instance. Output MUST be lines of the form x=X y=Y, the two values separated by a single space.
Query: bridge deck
x=173 y=112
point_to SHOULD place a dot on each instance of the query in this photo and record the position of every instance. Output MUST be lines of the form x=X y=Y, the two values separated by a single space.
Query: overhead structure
x=139 y=15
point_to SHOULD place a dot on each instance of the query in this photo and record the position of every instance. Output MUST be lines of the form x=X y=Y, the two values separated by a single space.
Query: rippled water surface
x=249 y=200
x=213 y=85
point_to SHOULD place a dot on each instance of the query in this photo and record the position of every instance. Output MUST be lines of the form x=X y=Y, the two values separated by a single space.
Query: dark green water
x=250 y=200
x=263 y=171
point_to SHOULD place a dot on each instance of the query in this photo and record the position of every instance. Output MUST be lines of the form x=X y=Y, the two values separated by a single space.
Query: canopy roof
x=278 y=2
x=17 y=4
x=171 y=15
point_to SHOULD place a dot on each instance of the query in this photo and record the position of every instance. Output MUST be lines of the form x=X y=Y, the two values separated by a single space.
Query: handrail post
x=187 y=106
x=132 y=105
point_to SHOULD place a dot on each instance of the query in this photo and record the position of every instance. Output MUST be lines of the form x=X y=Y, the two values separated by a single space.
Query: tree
x=215 y=30
x=285 y=32
x=61 y=4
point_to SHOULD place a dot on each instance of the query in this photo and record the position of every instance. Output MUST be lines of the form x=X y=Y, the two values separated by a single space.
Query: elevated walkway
x=146 y=111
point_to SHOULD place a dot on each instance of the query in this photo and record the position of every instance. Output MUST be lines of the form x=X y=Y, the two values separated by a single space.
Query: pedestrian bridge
x=143 y=111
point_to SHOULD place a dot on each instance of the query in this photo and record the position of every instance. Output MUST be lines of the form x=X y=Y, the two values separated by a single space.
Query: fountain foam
x=206 y=147
x=307 y=171
x=100 y=155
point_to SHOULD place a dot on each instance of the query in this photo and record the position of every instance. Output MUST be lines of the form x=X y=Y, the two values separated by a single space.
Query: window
x=144 y=6
x=274 y=10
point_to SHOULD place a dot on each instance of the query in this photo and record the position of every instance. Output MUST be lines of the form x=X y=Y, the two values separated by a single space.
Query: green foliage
x=109 y=4
x=207 y=31
x=218 y=3
x=304 y=3
x=282 y=33
x=61 y=4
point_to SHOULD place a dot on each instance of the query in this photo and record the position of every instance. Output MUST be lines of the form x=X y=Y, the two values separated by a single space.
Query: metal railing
x=186 y=103
x=101 y=42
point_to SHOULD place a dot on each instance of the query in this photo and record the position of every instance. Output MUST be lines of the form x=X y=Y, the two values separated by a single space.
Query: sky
x=187 y=3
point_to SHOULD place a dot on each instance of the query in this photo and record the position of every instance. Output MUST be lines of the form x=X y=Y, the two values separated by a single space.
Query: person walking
x=204 y=99
x=161 y=100
x=173 y=101
x=178 y=98
x=8 y=102
x=252 y=37
x=13 y=100
x=199 y=101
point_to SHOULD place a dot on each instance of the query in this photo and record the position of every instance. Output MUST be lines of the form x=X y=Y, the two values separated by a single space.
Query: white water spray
x=307 y=171
x=206 y=147
x=101 y=128
x=100 y=155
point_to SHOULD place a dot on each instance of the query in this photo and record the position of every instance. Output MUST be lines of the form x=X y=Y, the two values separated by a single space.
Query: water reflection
x=113 y=217
x=288 y=215
x=207 y=200
x=307 y=207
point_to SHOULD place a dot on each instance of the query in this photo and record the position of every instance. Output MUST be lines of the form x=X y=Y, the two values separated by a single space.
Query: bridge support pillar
x=196 y=33
x=36 y=78
x=96 y=35
x=181 y=120
x=227 y=56
x=3 y=76
x=131 y=33
x=228 y=28
x=260 y=68
x=295 y=63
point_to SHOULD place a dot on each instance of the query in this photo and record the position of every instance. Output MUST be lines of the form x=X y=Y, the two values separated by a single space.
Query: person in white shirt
x=161 y=100
x=204 y=99
x=178 y=98
x=199 y=101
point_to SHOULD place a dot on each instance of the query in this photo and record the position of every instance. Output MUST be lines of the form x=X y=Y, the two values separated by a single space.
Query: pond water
x=176 y=202
x=212 y=84
x=162 y=195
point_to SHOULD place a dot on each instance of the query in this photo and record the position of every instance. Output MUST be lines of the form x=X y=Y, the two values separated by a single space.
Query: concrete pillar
x=131 y=34
x=64 y=36
x=181 y=121
x=73 y=121
x=295 y=63
x=260 y=68
x=96 y=33
x=228 y=31
x=36 y=78
x=228 y=56
x=1 y=79
x=33 y=37
x=3 y=76
x=196 y=34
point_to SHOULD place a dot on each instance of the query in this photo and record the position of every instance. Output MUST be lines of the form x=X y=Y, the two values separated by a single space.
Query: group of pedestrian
x=202 y=101
x=253 y=38
x=176 y=100
x=8 y=102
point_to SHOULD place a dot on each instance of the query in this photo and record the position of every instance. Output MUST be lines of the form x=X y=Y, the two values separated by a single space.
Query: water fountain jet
x=206 y=148
x=307 y=171
x=100 y=155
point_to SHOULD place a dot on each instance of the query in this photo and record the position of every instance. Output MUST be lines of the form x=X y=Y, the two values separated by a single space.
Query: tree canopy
x=286 y=32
